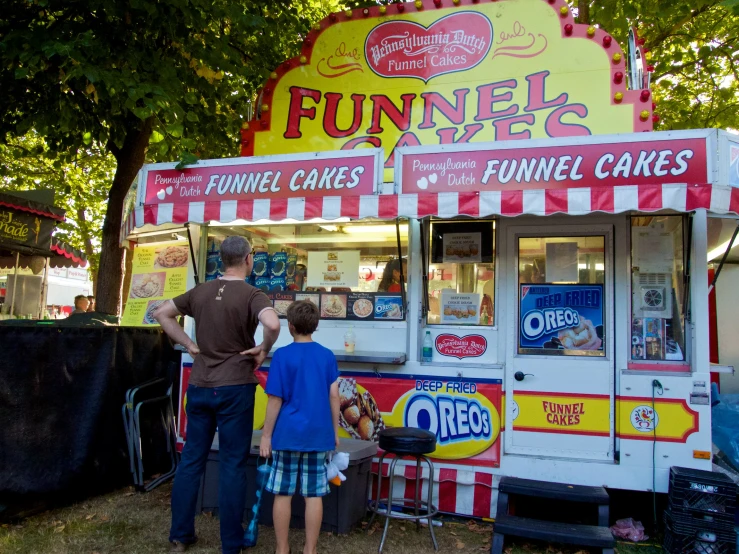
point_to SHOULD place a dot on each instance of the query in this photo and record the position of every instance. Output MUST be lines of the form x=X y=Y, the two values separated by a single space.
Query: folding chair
x=166 y=413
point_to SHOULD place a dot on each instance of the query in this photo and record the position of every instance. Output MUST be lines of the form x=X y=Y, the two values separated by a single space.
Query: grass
x=132 y=523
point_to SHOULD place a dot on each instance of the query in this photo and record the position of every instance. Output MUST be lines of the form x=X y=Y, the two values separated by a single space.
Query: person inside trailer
x=391 y=276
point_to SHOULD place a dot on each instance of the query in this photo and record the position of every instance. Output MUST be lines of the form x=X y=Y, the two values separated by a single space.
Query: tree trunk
x=583 y=12
x=129 y=157
x=87 y=240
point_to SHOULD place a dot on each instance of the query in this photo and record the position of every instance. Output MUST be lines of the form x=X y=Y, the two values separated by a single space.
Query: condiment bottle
x=349 y=341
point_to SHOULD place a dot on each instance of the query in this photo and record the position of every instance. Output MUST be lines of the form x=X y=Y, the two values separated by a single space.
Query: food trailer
x=501 y=254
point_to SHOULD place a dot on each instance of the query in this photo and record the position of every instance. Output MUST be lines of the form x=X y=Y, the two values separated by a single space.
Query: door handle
x=520 y=375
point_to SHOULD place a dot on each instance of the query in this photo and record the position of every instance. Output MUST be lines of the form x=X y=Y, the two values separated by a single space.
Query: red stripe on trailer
x=511 y=202
x=556 y=200
x=483 y=494
x=601 y=200
x=698 y=197
x=469 y=203
x=447 y=490
x=410 y=481
x=150 y=215
x=388 y=206
x=734 y=202
x=245 y=210
x=650 y=198
x=350 y=206
x=428 y=204
x=212 y=211
x=278 y=209
x=181 y=213
x=313 y=207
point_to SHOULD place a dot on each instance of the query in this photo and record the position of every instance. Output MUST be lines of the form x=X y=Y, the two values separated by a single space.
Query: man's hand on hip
x=192 y=349
x=258 y=354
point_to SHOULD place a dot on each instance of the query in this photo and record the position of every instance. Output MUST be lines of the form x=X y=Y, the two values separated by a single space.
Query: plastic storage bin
x=343 y=508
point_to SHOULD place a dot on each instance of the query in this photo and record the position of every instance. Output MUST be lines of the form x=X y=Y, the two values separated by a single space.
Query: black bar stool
x=414 y=443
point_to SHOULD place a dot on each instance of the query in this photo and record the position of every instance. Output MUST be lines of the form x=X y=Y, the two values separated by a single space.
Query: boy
x=302 y=424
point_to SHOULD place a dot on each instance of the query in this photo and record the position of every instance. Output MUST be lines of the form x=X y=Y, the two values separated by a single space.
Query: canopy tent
x=60 y=255
x=26 y=226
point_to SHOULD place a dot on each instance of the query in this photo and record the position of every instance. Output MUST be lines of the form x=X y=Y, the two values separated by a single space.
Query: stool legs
x=375 y=504
x=389 y=507
x=418 y=504
x=430 y=505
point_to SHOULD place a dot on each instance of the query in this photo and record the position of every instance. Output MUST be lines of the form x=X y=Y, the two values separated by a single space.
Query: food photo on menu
x=172 y=256
x=148 y=285
x=333 y=306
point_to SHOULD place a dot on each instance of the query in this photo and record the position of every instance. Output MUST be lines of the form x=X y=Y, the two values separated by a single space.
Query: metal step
x=550 y=531
x=556 y=491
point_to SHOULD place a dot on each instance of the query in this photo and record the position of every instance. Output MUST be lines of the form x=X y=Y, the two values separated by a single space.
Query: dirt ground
x=126 y=522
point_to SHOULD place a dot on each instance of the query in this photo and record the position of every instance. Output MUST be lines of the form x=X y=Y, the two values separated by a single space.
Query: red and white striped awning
x=573 y=201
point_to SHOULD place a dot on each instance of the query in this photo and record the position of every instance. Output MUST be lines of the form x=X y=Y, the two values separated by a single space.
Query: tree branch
x=664 y=35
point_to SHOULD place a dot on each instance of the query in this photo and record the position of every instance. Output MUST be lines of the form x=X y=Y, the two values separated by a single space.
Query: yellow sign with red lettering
x=571 y=414
x=445 y=72
x=673 y=419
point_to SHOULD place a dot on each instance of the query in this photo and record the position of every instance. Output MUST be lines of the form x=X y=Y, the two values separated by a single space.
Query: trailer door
x=560 y=354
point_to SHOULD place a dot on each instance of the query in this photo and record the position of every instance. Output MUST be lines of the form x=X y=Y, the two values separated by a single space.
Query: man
x=91 y=307
x=221 y=391
x=81 y=303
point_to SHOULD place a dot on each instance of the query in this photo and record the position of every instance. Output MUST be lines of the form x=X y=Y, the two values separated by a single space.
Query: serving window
x=351 y=270
x=461 y=273
x=658 y=291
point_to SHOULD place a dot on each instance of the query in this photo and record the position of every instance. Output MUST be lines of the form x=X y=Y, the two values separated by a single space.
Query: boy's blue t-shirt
x=302 y=374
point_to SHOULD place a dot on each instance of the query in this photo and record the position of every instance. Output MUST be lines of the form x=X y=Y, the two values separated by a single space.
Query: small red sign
x=469 y=346
x=454 y=43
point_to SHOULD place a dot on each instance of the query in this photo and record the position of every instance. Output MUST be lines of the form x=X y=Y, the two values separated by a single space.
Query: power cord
x=656 y=386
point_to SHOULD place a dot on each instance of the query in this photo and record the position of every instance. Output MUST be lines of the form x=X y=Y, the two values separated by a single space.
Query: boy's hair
x=304 y=316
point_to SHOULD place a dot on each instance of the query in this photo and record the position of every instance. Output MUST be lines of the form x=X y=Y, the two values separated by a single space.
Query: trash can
x=343 y=508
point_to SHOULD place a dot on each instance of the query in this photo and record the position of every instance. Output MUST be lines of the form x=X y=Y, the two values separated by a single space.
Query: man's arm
x=271 y=331
x=335 y=406
x=274 y=404
x=166 y=315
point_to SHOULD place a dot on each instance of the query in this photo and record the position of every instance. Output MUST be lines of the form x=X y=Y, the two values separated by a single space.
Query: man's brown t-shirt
x=226 y=316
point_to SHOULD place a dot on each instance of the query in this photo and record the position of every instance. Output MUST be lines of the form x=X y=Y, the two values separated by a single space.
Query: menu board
x=462 y=247
x=460 y=308
x=355 y=306
x=333 y=268
x=160 y=272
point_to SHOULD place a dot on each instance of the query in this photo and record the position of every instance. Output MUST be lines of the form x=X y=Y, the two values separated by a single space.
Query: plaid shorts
x=286 y=465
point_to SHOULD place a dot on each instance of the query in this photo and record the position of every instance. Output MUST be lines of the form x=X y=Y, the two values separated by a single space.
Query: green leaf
x=188 y=143
x=156 y=137
x=186 y=159
x=191 y=98
x=176 y=129
x=142 y=113
x=87 y=138
x=192 y=117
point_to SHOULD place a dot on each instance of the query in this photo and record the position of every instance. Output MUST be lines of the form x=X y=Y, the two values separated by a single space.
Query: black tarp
x=61 y=392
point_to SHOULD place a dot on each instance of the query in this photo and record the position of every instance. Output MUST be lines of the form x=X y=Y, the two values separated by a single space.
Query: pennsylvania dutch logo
x=457 y=42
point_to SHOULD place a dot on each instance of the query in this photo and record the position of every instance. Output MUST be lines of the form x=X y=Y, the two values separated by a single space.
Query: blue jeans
x=231 y=410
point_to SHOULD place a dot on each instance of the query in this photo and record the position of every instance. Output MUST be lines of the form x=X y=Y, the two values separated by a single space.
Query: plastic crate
x=699 y=481
x=693 y=490
x=720 y=516
x=698 y=542
x=686 y=525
